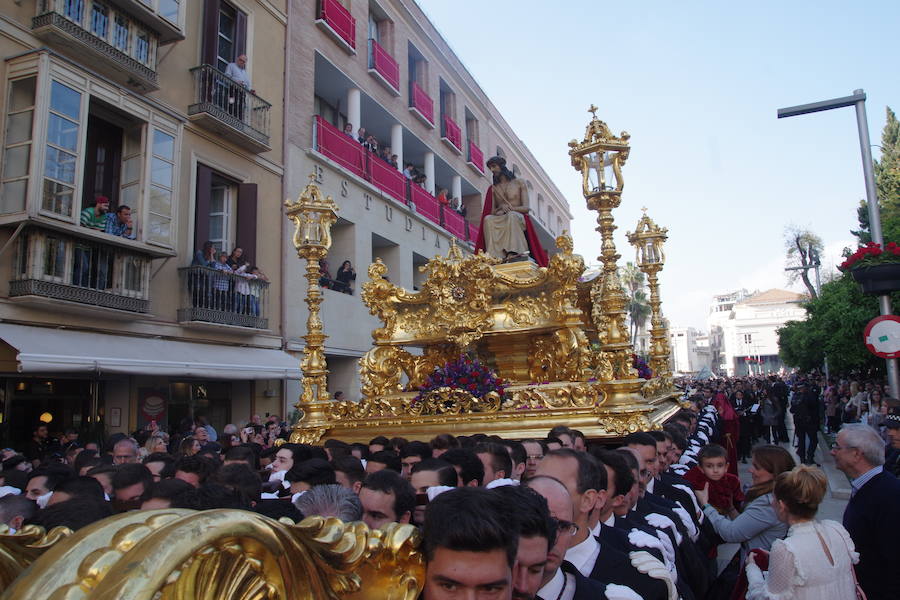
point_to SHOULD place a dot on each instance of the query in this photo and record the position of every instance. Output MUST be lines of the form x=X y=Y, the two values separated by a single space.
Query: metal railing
x=224 y=297
x=219 y=95
x=55 y=265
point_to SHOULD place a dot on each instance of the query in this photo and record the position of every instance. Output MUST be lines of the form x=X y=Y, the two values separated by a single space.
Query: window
x=73 y=10
x=471 y=128
x=54 y=257
x=17 y=145
x=142 y=47
x=748 y=338
x=380 y=27
x=500 y=152
x=122 y=34
x=168 y=10
x=61 y=155
x=224 y=34
x=418 y=67
x=447 y=100
x=225 y=212
x=162 y=183
x=222 y=197
x=540 y=208
x=99 y=20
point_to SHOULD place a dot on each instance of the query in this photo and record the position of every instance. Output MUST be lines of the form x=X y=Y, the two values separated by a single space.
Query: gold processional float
x=558 y=340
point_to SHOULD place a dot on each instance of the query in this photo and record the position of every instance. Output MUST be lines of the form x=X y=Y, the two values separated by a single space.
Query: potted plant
x=875 y=269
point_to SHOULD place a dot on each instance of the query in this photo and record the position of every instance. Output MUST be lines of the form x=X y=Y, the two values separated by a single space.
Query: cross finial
x=644 y=209
x=312 y=177
x=593 y=110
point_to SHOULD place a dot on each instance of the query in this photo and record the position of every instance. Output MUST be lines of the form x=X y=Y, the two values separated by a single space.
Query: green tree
x=833 y=328
x=887 y=184
x=802 y=251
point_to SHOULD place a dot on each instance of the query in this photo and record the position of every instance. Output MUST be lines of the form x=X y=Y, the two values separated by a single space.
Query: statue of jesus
x=506 y=229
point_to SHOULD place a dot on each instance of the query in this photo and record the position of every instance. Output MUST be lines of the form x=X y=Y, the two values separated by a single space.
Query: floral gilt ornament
x=464 y=373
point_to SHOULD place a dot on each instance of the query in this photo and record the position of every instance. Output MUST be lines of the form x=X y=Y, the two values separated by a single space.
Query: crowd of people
x=550 y=518
x=411 y=172
x=233 y=285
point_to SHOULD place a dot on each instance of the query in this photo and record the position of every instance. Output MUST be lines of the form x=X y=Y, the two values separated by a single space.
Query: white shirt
x=584 y=555
x=238 y=74
x=552 y=590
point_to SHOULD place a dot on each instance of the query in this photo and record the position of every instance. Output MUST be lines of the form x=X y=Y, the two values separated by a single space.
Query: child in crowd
x=725 y=493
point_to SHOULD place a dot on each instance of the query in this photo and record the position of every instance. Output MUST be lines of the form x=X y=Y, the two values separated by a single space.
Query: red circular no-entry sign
x=882 y=336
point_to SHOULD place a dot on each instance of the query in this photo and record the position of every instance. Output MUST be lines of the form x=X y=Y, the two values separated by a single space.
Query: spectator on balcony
x=120 y=223
x=325 y=280
x=348 y=130
x=361 y=135
x=243 y=288
x=256 y=289
x=420 y=179
x=94 y=217
x=371 y=144
x=409 y=171
x=442 y=197
x=386 y=154
x=395 y=161
x=222 y=283
x=236 y=259
x=345 y=276
x=237 y=70
x=206 y=256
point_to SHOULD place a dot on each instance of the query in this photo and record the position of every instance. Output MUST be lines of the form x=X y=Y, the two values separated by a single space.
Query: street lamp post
x=858 y=100
x=648 y=239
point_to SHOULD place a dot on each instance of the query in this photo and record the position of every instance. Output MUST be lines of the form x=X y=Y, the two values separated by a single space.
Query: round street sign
x=882 y=336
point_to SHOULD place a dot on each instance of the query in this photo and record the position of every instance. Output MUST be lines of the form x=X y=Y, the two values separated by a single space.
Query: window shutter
x=201 y=214
x=246 y=220
x=210 y=32
x=240 y=34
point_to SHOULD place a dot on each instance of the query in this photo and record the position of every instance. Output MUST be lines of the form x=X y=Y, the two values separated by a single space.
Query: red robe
x=534 y=246
x=730 y=431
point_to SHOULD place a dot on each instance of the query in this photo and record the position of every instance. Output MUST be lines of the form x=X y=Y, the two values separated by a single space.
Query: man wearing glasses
x=585 y=480
x=871 y=516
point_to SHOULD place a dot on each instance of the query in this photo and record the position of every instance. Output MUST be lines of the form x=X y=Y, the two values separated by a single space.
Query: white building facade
x=743 y=330
x=690 y=350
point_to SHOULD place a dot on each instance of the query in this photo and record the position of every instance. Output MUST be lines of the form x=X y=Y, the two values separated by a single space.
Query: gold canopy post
x=648 y=239
x=313 y=215
x=599 y=157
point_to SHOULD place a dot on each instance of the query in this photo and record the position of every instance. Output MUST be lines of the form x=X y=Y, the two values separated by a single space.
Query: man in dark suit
x=561 y=579
x=584 y=479
x=871 y=516
x=806 y=411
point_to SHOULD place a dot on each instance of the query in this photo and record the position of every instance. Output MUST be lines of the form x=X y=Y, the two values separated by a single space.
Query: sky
x=697 y=85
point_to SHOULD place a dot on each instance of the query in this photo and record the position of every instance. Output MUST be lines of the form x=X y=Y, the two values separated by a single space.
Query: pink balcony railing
x=384 y=64
x=472 y=231
x=339 y=19
x=340 y=147
x=426 y=204
x=476 y=158
x=454 y=222
x=421 y=101
x=386 y=178
x=452 y=132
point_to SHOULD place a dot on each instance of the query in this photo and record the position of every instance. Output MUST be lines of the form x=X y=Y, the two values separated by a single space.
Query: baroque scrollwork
x=234 y=554
x=451 y=401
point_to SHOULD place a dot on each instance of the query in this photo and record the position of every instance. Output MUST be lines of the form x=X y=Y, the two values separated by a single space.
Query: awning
x=45 y=349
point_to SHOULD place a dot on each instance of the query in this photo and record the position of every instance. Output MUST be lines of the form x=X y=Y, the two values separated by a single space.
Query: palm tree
x=632 y=279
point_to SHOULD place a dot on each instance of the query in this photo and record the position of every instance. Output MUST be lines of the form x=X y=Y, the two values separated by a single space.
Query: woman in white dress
x=815 y=561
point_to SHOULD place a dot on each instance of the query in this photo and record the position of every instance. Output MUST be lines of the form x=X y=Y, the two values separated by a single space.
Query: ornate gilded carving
x=625 y=424
x=210 y=555
x=18 y=550
x=451 y=401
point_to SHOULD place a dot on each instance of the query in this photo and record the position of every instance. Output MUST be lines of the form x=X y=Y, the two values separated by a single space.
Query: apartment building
x=748 y=326
x=690 y=350
x=128 y=100
x=381 y=65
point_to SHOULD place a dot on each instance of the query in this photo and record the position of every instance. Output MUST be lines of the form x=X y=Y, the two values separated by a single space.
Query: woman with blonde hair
x=158 y=442
x=815 y=560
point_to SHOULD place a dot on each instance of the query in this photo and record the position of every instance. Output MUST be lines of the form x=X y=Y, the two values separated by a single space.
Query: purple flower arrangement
x=464 y=373
x=643 y=369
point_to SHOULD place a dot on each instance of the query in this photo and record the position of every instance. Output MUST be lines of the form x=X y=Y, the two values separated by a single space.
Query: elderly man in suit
x=871 y=516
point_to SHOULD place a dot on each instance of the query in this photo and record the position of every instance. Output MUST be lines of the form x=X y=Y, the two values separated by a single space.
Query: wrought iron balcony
x=52 y=265
x=115 y=46
x=229 y=109
x=211 y=296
